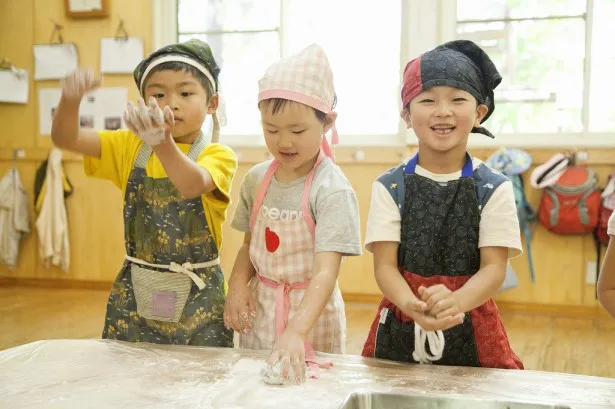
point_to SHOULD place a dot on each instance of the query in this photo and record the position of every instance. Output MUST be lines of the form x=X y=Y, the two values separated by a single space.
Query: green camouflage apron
x=170 y=289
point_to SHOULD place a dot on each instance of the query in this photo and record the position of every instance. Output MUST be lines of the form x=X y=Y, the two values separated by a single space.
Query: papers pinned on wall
x=14 y=85
x=54 y=61
x=120 y=55
x=99 y=109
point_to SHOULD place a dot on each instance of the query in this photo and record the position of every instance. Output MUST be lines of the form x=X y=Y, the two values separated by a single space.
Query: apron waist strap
x=282 y=299
x=185 y=268
x=313 y=363
x=282 y=309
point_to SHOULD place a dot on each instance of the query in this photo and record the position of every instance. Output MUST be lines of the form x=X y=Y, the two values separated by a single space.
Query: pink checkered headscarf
x=306 y=78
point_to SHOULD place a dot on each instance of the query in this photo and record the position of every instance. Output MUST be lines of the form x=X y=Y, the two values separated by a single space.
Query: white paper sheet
x=54 y=61
x=85 y=5
x=14 y=86
x=120 y=56
x=100 y=109
x=48 y=99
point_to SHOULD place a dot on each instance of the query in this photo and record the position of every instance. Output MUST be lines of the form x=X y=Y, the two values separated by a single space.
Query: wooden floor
x=546 y=343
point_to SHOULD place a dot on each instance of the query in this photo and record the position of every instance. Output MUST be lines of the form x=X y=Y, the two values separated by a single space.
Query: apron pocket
x=460 y=345
x=160 y=296
x=394 y=339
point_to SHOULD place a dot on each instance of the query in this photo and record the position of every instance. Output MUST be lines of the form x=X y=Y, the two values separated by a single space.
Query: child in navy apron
x=170 y=288
x=442 y=225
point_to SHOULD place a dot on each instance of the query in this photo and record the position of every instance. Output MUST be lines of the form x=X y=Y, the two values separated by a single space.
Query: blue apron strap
x=468 y=168
x=411 y=165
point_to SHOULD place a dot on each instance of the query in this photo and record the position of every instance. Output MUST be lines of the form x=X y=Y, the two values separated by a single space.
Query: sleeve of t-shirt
x=338 y=222
x=113 y=156
x=384 y=219
x=499 y=224
x=611 y=226
x=243 y=210
x=221 y=163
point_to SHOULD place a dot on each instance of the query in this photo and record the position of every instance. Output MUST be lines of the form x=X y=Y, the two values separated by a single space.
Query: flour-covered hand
x=151 y=124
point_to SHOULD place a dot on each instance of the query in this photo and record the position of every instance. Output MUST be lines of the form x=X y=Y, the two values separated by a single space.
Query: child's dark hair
x=280 y=103
x=180 y=66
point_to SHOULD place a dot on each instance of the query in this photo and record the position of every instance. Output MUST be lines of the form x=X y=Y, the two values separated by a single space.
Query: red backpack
x=571 y=206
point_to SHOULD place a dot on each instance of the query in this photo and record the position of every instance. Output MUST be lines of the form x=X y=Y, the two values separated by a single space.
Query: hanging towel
x=52 y=223
x=14 y=216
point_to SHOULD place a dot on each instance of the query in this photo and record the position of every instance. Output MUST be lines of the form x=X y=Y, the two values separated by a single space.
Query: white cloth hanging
x=52 y=223
x=14 y=216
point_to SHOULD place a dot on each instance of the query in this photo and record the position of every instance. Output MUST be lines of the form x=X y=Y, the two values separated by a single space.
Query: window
x=539 y=47
x=244 y=36
x=555 y=57
x=362 y=41
x=601 y=94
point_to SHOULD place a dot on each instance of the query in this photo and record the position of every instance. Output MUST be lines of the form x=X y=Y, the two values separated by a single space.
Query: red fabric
x=412 y=83
x=494 y=350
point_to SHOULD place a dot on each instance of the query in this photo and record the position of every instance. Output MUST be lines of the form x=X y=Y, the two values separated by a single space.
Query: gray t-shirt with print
x=333 y=204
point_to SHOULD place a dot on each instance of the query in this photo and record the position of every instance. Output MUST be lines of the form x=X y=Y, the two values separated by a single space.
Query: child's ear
x=405 y=115
x=330 y=121
x=213 y=104
x=481 y=112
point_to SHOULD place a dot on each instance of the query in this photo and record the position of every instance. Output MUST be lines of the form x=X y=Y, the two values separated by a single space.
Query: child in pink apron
x=300 y=216
x=442 y=225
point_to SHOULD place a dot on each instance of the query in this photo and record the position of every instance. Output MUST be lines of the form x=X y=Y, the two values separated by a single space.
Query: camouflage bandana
x=195 y=53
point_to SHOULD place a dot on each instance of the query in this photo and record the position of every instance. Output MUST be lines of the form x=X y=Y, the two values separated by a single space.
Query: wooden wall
x=94 y=209
x=96 y=231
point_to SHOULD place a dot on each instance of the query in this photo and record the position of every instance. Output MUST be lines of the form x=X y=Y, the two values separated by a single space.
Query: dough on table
x=272 y=374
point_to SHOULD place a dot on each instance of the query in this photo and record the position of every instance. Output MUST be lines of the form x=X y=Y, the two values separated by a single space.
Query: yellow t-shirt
x=119 y=150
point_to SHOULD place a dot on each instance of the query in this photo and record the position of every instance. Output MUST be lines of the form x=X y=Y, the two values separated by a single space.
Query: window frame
x=418 y=34
x=565 y=139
